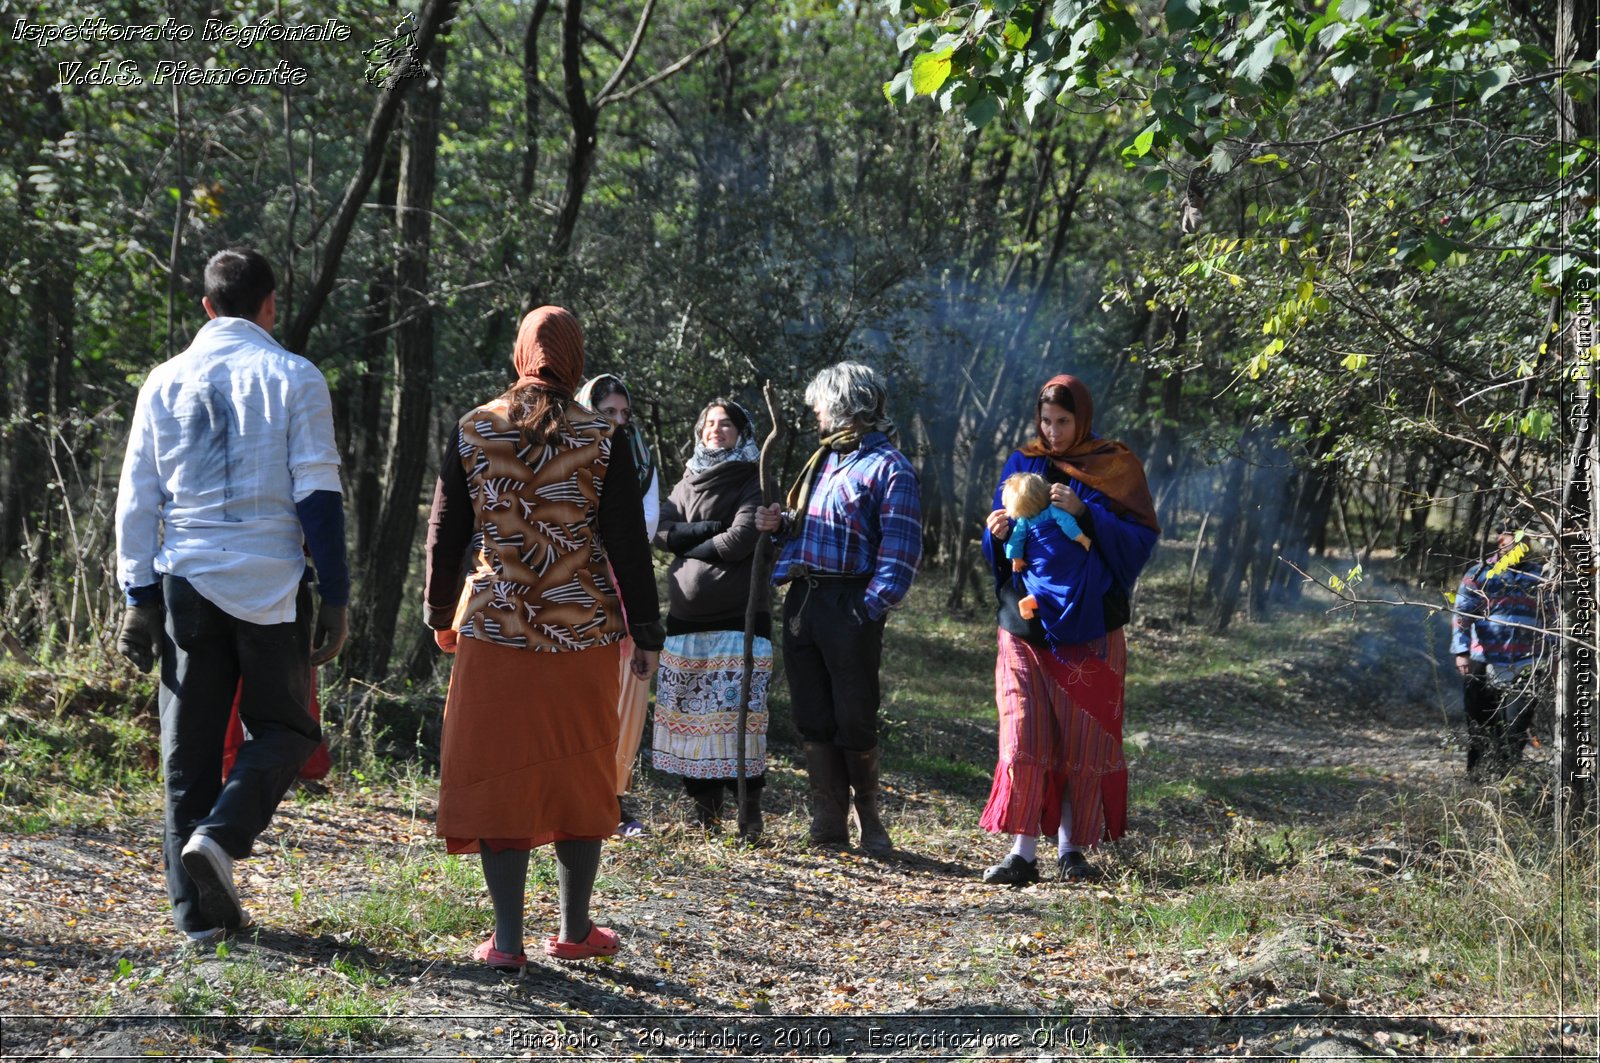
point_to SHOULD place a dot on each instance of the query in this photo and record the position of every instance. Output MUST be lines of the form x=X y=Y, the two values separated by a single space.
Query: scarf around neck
x=843 y=441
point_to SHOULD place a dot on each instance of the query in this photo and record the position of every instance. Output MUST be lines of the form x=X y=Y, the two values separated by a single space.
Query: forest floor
x=1306 y=872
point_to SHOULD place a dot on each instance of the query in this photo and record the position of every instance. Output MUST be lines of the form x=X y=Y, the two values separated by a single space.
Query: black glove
x=706 y=551
x=327 y=638
x=681 y=537
x=140 y=638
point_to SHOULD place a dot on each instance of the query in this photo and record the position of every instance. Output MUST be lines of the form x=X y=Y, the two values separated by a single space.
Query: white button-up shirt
x=226 y=438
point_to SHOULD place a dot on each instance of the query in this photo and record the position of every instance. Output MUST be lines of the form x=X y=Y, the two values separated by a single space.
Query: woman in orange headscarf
x=539 y=502
x=1060 y=669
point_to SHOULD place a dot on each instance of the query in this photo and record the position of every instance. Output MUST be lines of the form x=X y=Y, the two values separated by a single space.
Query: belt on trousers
x=812 y=581
x=801 y=574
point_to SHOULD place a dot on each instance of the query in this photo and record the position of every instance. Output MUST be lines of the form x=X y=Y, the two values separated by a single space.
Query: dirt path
x=1261 y=789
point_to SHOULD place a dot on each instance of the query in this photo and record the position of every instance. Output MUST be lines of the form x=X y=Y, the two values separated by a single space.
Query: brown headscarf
x=549 y=351
x=1106 y=465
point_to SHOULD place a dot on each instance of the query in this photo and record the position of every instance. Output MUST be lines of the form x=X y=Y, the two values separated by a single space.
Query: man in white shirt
x=231 y=476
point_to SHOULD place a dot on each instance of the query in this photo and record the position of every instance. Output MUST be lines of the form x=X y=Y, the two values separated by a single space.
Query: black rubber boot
x=1488 y=750
x=750 y=814
x=707 y=797
x=830 y=793
x=863 y=769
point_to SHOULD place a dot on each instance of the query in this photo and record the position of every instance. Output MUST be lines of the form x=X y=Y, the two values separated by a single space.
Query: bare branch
x=1348 y=600
x=610 y=95
x=1393 y=119
x=601 y=97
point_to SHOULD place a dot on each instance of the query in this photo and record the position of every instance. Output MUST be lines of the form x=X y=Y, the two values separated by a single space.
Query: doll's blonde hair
x=1024 y=494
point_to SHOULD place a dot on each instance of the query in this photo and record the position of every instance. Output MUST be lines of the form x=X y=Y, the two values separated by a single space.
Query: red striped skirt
x=1060 y=732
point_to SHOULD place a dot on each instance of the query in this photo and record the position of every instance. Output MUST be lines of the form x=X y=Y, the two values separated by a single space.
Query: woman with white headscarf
x=708 y=524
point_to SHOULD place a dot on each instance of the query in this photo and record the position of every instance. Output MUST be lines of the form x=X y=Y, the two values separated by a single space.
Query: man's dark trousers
x=1498 y=718
x=204 y=656
x=831 y=657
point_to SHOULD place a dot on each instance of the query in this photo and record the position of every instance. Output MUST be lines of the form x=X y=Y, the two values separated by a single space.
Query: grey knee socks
x=577 y=863
x=506 y=875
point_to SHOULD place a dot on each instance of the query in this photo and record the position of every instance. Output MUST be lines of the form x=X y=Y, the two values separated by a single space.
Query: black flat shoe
x=1012 y=871
x=1073 y=866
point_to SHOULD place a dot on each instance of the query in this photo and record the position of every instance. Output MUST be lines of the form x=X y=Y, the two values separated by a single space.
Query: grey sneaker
x=210 y=938
x=211 y=868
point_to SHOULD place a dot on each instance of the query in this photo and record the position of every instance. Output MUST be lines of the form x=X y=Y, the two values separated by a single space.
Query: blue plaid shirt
x=1494 y=614
x=864 y=518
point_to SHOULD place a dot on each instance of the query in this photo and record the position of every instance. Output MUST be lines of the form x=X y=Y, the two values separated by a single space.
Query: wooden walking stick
x=758 y=584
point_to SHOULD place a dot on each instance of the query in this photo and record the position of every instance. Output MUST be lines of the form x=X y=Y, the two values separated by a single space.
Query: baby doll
x=1026 y=498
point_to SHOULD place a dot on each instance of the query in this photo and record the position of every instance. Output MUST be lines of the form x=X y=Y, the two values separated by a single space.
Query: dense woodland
x=1327 y=267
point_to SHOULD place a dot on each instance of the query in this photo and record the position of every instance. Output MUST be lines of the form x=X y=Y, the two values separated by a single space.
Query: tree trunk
x=388 y=558
x=361 y=407
x=585 y=121
x=1166 y=452
x=531 y=93
x=433 y=20
x=1229 y=531
x=935 y=502
x=1307 y=527
x=1230 y=588
x=1419 y=541
x=46 y=339
x=492 y=344
x=951 y=369
x=1273 y=494
x=978 y=489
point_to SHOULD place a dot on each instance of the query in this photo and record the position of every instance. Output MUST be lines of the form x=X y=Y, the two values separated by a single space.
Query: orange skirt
x=528 y=754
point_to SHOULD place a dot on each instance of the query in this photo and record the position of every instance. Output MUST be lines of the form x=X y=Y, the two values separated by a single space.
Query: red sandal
x=600 y=942
x=500 y=961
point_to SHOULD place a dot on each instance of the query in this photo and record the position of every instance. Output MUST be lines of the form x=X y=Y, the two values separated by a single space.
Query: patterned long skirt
x=1060 y=732
x=697 y=706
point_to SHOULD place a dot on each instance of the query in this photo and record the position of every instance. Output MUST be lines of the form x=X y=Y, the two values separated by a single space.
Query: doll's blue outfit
x=1017 y=544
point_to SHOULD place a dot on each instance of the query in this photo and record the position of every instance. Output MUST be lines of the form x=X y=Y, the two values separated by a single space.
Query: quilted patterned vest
x=541 y=580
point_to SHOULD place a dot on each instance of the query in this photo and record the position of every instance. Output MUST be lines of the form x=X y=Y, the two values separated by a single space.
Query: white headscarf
x=746 y=449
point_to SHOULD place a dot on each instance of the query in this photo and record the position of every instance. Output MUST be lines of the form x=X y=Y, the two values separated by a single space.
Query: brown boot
x=863 y=769
x=830 y=793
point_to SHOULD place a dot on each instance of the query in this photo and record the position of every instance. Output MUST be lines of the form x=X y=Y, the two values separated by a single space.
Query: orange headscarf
x=549 y=351
x=1103 y=464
